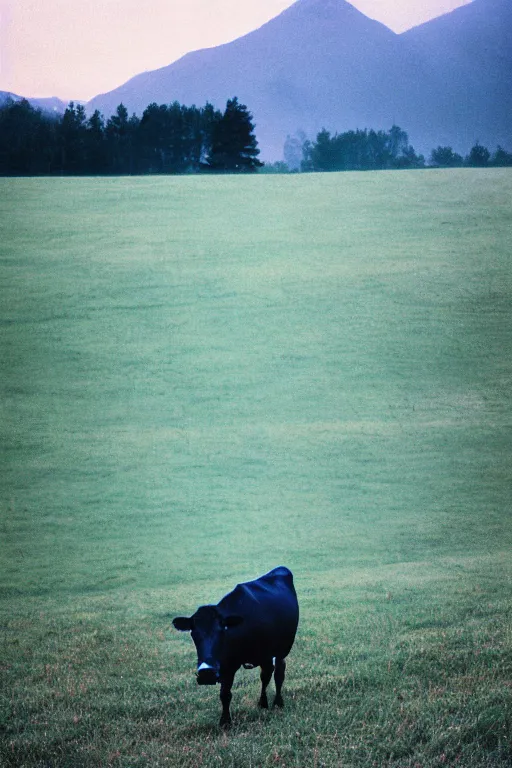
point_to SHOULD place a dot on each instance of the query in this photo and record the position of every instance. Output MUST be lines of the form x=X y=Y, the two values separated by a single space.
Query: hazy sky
x=79 y=48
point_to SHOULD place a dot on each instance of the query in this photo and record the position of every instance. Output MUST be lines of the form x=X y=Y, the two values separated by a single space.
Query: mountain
x=7 y=96
x=323 y=63
x=52 y=104
x=469 y=56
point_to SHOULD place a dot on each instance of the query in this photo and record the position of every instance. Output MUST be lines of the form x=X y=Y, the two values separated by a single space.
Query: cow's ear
x=232 y=621
x=183 y=624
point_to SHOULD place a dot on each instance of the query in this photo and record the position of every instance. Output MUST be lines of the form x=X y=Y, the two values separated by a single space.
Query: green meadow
x=204 y=377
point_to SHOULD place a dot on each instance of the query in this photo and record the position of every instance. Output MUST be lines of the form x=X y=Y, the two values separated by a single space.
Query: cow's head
x=208 y=627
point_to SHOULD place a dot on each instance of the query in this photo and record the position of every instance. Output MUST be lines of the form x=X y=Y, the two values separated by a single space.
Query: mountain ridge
x=51 y=104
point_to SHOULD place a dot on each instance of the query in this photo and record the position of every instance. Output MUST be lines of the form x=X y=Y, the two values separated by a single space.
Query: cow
x=252 y=626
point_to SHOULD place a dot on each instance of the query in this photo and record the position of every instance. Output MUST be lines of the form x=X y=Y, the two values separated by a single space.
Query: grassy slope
x=204 y=377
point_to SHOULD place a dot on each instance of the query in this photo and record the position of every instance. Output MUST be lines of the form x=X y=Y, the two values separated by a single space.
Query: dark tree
x=445 y=157
x=321 y=154
x=152 y=139
x=175 y=138
x=209 y=117
x=378 y=152
x=409 y=159
x=501 y=158
x=72 y=139
x=27 y=139
x=234 y=146
x=401 y=153
x=178 y=139
x=478 y=157
x=185 y=134
x=361 y=150
x=96 y=144
x=398 y=142
x=307 y=161
x=121 y=135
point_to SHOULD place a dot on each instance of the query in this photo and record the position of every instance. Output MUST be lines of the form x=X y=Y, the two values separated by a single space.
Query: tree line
x=369 y=150
x=360 y=150
x=173 y=139
x=169 y=138
x=478 y=157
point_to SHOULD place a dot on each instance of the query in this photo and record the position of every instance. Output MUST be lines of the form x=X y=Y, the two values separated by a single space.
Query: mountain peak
x=325 y=7
x=327 y=10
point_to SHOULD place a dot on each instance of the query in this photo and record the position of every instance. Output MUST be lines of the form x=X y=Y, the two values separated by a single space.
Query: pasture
x=204 y=377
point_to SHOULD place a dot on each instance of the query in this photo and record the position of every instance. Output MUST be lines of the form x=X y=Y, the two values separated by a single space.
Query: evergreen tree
x=175 y=138
x=152 y=138
x=72 y=139
x=121 y=133
x=209 y=117
x=322 y=152
x=27 y=139
x=378 y=153
x=234 y=145
x=181 y=138
x=96 y=145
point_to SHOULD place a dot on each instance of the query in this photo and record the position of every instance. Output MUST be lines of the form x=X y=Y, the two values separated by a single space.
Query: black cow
x=252 y=626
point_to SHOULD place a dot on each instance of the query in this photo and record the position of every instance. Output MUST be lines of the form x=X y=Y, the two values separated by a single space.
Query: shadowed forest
x=176 y=139
x=170 y=139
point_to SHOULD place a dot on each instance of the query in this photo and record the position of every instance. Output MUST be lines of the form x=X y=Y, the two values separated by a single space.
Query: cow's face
x=208 y=628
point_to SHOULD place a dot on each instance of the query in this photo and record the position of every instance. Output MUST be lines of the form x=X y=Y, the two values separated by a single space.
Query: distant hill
x=52 y=104
x=323 y=63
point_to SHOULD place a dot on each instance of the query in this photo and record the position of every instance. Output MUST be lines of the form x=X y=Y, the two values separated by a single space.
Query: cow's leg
x=265 y=677
x=226 y=684
x=279 y=680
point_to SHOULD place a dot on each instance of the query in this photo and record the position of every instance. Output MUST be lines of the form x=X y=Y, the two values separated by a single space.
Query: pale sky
x=80 y=48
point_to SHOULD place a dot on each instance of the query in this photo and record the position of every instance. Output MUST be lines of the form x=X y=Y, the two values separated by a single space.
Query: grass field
x=202 y=378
